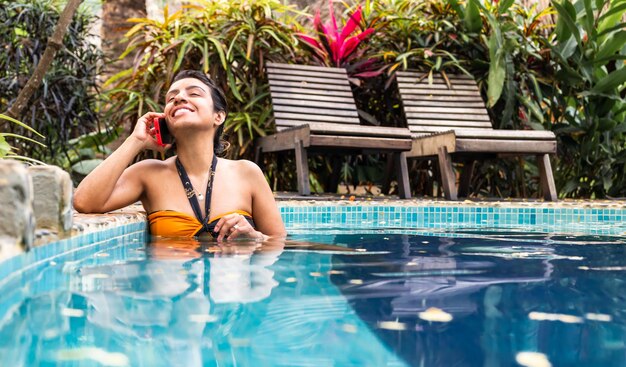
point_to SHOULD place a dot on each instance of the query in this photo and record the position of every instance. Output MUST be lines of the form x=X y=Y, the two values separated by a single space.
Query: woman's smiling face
x=189 y=101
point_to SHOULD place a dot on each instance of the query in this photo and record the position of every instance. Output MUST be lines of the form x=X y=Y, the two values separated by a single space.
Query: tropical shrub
x=585 y=101
x=231 y=41
x=65 y=106
x=8 y=151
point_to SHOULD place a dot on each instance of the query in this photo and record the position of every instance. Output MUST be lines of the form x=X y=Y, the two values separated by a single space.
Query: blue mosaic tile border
x=579 y=220
x=438 y=220
x=49 y=251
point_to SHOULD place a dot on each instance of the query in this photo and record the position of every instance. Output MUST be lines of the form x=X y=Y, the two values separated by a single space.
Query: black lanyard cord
x=191 y=193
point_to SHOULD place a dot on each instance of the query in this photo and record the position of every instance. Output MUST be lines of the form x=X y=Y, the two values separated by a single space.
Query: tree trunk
x=55 y=42
x=115 y=14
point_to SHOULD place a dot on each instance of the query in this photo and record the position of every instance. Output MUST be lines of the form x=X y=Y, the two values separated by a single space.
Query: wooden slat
x=306 y=80
x=458 y=109
x=505 y=146
x=404 y=80
x=438 y=86
x=315 y=104
x=321 y=87
x=359 y=130
x=420 y=130
x=436 y=99
x=452 y=102
x=447 y=92
x=309 y=73
x=505 y=134
x=448 y=116
x=308 y=97
x=449 y=123
x=315 y=118
x=487 y=133
x=282 y=124
x=312 y=92
x=315 y=111
x=306 y=67
x=361 y=142
x=417 y=75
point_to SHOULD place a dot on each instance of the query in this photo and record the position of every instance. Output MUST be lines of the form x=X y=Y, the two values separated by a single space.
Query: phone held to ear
x=163 y=136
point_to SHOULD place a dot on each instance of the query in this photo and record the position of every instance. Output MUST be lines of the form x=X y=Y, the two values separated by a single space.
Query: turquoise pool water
x=335 y=295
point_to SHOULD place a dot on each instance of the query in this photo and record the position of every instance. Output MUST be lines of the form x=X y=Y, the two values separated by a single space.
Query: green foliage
x=586 y=104
x=6 y=150
x=65 y=105
x=232 y=41
x=567 y=77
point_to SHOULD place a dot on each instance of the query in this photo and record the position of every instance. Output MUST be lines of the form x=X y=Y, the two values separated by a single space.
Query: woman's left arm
x=264 y=212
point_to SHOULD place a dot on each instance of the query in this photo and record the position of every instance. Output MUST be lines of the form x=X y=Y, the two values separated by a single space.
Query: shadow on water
x=495 y=300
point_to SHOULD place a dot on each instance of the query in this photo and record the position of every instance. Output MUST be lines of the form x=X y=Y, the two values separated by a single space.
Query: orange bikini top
x=169 y=223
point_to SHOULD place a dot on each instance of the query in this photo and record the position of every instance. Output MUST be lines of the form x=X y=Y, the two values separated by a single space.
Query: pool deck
x=88 y=223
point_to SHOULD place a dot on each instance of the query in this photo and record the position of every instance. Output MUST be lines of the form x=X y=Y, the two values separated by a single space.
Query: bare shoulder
x=152 y=167
x=244 y=167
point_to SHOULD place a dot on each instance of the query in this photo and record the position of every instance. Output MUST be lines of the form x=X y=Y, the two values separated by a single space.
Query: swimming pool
x=342 y=295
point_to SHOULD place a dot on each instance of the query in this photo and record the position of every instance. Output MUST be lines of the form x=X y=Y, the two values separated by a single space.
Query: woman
x=194 y=193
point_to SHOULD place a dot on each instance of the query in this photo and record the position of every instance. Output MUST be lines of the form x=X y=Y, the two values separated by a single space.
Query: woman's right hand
x=145 y=132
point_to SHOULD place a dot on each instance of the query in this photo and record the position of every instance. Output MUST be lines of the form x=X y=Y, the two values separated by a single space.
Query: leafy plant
x=232 y=41
x=333 y=45
x=585 y=100
x=8 y=151
x=65 y=106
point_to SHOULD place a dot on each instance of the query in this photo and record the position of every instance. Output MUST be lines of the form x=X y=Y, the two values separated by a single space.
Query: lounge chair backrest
x=304 y=94
x=435 y=107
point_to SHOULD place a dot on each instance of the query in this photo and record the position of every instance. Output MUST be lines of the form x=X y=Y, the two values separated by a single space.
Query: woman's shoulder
x=151 y=166
x=243 y=166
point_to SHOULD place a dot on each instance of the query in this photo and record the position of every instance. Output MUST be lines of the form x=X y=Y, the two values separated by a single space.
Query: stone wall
x=37 y=198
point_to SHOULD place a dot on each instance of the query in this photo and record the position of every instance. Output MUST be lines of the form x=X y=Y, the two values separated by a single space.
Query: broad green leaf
x=611 y=45
x=612 y=16
x=567 y=15
x=11 y=119
x=5 y=148
x=497 y=73
x=233 y=86
x=86 y=166
x=17 y=136
x=534 y=109
x=181 y=53
x=220 y=51
x=473 y=22
x=589 y=19
x=610 y=82
x=504 y=5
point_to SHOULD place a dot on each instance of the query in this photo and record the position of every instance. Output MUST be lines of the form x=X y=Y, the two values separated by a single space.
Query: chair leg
x=448 y=179
x=546 y=178
x=466 y=178
x=302 y=169
x=388 y=170
x=404 y=189
x=257 y=156
x=332 y=184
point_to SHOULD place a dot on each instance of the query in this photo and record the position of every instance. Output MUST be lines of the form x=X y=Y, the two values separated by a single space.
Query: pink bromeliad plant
x=335 y=46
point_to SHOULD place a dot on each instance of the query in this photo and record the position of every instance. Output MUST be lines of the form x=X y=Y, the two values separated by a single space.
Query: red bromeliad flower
x=336 y=46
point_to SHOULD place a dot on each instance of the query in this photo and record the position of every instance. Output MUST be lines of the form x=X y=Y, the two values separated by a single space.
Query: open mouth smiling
x=178 y=110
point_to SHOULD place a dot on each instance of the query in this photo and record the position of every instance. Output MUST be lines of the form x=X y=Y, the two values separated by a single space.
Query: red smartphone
x=163 y=136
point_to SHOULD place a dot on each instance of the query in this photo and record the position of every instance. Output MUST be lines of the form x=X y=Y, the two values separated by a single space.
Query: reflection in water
x=324 y=300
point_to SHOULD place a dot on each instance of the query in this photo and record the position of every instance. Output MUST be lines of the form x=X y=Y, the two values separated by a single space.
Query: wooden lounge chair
x=315 y=112
x=453 y=122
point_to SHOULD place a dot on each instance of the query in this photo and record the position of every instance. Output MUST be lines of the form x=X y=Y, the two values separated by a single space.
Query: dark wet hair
x=219 y=103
